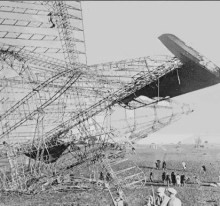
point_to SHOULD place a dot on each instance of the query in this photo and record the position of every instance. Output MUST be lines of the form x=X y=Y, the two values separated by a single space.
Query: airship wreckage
x=60 y=116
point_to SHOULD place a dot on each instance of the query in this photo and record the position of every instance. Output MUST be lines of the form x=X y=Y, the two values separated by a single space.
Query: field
x=191 y=194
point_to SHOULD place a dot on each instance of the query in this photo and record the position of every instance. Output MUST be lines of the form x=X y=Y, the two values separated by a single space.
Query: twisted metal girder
x=140 y=81
x=23 y=117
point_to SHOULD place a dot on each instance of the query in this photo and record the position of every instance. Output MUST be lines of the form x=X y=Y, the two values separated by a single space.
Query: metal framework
x=52 y=102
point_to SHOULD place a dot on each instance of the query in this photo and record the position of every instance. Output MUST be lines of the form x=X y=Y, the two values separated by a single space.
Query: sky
x=116 y=30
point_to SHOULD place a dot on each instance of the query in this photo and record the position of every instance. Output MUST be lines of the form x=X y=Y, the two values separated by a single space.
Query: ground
x=191 y=195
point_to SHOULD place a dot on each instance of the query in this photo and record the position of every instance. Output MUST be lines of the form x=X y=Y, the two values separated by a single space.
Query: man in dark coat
x=203 y=169
x=173 y=178
x=164 y=165
x=164 y=177
x=158 y=164
x=151 y=176
x=168 y=181
x=182 y=180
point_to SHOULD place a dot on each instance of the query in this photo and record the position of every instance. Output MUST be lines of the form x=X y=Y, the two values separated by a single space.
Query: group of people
x=163 y=199
x=164 y=165
x=106 y=177
x=174 y=179
x=171 y=179
x=159 y=199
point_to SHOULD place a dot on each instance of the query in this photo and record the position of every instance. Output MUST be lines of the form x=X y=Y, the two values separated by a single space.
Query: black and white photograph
x=109 y=103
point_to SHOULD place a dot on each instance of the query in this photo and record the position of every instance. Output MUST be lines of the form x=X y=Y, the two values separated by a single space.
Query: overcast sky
x=119 y=30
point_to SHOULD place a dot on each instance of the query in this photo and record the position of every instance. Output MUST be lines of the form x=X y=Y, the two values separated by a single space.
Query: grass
x=190 y=195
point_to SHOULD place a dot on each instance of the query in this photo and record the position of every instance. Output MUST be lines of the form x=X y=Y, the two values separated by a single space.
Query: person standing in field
x=168 y=181
x=164 y=177
x=203 y=169
x=173 y=178
x=184 y=166
x=164 y=165
x=178 y=180
x=151 y=176
x=182 y=180
x=108 y=177
x=133 y=149
x=158 y=164
x=101 y=176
